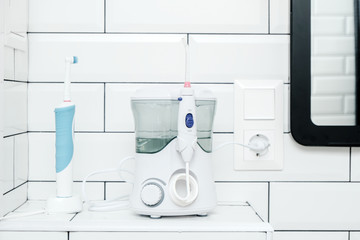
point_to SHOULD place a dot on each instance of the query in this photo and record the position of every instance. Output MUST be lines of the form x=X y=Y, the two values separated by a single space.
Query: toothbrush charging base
x=64 y=205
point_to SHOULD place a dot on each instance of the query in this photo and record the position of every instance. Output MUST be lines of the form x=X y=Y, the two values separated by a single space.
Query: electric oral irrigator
x=64 y=201
x=173 y=167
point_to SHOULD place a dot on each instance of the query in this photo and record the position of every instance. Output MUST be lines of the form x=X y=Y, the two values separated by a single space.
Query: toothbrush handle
x=64 y=117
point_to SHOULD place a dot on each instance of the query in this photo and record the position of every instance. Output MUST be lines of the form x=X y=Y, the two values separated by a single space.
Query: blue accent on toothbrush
x=76 y=59
x=64 y=142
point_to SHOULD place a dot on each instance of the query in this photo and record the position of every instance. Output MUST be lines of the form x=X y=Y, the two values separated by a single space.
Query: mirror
x=324 y=63
x=333 y=62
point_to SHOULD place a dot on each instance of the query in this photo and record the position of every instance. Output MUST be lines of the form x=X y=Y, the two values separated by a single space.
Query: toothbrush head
x=72 y=60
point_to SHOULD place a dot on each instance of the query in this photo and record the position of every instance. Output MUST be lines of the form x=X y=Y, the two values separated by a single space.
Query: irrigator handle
x=64 y=118
x=187 y=126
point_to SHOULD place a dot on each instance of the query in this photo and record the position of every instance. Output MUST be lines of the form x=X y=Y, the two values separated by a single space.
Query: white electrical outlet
x=251 y=155
x=258 y=111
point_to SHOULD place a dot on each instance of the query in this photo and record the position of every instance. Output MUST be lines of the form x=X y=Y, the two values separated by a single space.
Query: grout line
x=15 y=134
x=13 y=162
x=269 y=17
x=350 y=155
x=134 y=83
x=73 y=217
x=15 y=81
x=105 y=191
x=317 y=230
x=104 y=107
x=268 y=219
x=104 y=16
x=16 y=187
x=255 y=211
x=161 y=33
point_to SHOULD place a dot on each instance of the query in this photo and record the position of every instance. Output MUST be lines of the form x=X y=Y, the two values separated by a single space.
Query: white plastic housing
x=258 y=110
x=159 y=167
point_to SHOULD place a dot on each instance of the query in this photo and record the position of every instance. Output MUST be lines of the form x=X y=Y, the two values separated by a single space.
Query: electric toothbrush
x=64 y=201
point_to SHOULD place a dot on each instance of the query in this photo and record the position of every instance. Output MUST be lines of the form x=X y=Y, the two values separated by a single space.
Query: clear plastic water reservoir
x=156 y=114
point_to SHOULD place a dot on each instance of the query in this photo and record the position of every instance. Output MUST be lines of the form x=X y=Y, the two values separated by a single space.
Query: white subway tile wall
x=333 y=65
x=315 y=206
x=121 y=52
x=187 y=16
x=14 y=154
x=311 y=236
x=66 y=16
x=355 y=236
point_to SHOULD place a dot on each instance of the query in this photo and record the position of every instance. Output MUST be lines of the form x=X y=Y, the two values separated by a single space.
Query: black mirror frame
x=303 y=130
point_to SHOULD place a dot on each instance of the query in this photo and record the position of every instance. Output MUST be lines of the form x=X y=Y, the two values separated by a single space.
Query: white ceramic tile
x=354 y=236
x=311 y=236
x=33 y=235
x=66 y=16
x=21 y=159
x=117 y=189
x=355 y=164
x=327 y=7
x=92 y=152
x=108 y=58
x=254 y=193
x=44 y=190
x=334 y=45
x=119 y=116
x=101 y=151
x=314 y=206
x=15 y=107
x=286 y=108
x=226 y=58
x=280 y=16
x=328 y=25
x=19 y=16
x=350 y=65
x=167 y=235
x=349 y=104
x=326 y=85
x=249 y=16
x=21 y=65
x=327 y=104
x=88 y=99
x=327 y=66
x=7 y=164
x=16 y=41
x=15 y=198
x=331 y=120
x=350 y=28
x=9 y=63
x=42 y=156
x=300 y=163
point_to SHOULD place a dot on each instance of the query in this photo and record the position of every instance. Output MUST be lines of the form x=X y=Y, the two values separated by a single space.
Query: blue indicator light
x=180 y=98
x=189 y=120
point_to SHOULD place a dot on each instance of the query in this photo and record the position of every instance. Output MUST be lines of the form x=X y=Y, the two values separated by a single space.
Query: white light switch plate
x=258 y=110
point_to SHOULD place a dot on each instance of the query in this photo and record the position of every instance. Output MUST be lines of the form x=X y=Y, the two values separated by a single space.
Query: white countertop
x=226 y=217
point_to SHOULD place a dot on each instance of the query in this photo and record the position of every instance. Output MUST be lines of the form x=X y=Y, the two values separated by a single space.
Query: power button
x=189 y=120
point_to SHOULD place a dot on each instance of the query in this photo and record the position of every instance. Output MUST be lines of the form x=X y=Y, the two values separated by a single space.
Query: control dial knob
x=152 y=194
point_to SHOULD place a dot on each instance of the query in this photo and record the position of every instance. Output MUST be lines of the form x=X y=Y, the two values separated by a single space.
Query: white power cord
x=118 y=203
x=20 y=215
x=259 y=144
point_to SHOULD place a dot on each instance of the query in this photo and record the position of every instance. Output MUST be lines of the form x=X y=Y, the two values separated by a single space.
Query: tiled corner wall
x=125 y=45
x=333 y=62
x=14 y=152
